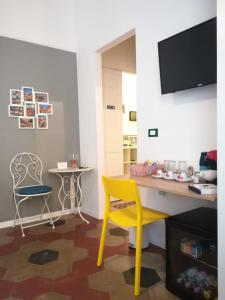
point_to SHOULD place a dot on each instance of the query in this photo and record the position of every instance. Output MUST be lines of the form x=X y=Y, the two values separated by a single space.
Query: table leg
x=77 y=193
x=72 y=193
x=62 y=189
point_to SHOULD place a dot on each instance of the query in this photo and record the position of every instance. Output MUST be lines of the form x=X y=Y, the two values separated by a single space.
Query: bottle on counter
x=74 y=161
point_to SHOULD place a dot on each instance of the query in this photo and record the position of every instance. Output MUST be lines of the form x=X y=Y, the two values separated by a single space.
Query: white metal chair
x=26 y=170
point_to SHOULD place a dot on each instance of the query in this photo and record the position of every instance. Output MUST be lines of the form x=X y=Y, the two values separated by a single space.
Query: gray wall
x=47 y=70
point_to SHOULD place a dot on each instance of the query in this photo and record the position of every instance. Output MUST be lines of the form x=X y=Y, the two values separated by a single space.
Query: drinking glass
x=74 y=161
x=172 y=165
x=166 y=165
x=182 y=166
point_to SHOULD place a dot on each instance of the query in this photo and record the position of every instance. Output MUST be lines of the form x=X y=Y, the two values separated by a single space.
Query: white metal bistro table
x=72 y=178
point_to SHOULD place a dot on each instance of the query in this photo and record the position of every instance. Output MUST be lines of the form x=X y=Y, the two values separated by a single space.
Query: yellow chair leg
x=102 y=242
x=138 y=261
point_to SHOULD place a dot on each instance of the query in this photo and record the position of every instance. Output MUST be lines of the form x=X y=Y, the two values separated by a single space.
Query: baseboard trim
x=34 y=218
x=90 y=213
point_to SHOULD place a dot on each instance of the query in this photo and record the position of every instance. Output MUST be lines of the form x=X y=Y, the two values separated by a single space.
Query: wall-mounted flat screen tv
x=188 y=59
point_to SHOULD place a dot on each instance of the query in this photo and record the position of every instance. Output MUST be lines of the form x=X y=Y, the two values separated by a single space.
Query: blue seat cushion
x=33 y=190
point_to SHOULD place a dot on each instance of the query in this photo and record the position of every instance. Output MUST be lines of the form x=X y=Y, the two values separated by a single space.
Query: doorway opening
x=119 y=107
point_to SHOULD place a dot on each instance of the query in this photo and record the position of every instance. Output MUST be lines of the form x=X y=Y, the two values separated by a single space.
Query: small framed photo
x=41 y=97
x=132 y=116
x=42 y=121
x=16 y=111
x=26 y=123
x=30 y=109
x=15 y=97
x=45 y=108
x=28 y=94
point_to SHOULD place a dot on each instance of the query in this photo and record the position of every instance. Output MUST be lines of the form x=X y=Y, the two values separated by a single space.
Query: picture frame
x=28 y=94
x=30 y=109
x=16 y=111
x=15 y=97
x=45 y=108
x=132 y=116
x=41 y=97
x=26 y=123
x=42 y=121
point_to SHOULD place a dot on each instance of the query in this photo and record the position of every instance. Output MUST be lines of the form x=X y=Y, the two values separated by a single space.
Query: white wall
x=46 y=22
x=129 y=95
x=221 y=145
x=186 y=120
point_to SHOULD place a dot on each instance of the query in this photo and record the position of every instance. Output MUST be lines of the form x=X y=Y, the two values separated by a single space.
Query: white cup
x=169 y=175
x=159 y=173
x=182 y=176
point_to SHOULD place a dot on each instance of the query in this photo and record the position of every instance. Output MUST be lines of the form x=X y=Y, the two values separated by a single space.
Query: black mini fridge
x=191 y=254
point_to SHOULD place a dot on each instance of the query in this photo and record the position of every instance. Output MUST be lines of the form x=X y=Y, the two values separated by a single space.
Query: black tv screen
x=188 y=59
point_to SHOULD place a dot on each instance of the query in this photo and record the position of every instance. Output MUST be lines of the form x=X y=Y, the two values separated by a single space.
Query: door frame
x=100 y=115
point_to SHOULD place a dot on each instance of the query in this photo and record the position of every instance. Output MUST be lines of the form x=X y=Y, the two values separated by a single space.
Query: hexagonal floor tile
x=119 y=263
x=159 y=292
x=12 y=298
x=149 y=277
x=43 y=257
x=68 y=223
x=154 y=261
x=113 y=283
x=31 y=288
x=117 y=231
x=5 y=240
x=18 y=268
x=52 y=296
x=110 y=240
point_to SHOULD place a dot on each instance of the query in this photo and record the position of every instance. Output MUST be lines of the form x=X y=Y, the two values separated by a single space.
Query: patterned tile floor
x=60 y=264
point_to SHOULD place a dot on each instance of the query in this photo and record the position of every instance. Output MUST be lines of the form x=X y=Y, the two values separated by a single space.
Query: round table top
x=70 y=170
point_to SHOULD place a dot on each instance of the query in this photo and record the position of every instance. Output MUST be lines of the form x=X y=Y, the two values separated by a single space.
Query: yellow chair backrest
x=123 y=189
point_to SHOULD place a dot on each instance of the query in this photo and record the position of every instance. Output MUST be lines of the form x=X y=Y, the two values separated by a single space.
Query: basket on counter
x=140 y=169
x=145 y=169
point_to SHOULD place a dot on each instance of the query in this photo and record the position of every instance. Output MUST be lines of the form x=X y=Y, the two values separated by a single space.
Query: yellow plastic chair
x=131 y=216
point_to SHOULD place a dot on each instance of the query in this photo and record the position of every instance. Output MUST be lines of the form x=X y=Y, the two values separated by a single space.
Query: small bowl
x=208 y=175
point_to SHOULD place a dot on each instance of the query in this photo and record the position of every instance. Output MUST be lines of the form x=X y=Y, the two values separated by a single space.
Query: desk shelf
x=170 y=186
x=129 y=158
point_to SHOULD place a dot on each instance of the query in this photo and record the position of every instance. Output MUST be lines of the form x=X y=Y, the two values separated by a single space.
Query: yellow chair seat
x=127 y=217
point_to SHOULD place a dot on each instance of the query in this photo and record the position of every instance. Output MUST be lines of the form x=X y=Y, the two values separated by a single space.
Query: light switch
x=153 y=132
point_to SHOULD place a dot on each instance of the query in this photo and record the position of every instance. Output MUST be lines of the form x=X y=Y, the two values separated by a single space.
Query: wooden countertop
x=170 y=186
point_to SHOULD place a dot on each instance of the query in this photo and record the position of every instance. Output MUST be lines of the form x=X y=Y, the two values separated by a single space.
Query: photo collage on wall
x=30 y=107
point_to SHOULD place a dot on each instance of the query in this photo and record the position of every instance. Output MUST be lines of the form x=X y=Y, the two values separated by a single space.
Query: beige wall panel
x=112 y=87
x=113 y=126
x=112 y=165
x=113 y=130
x=122 y=56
